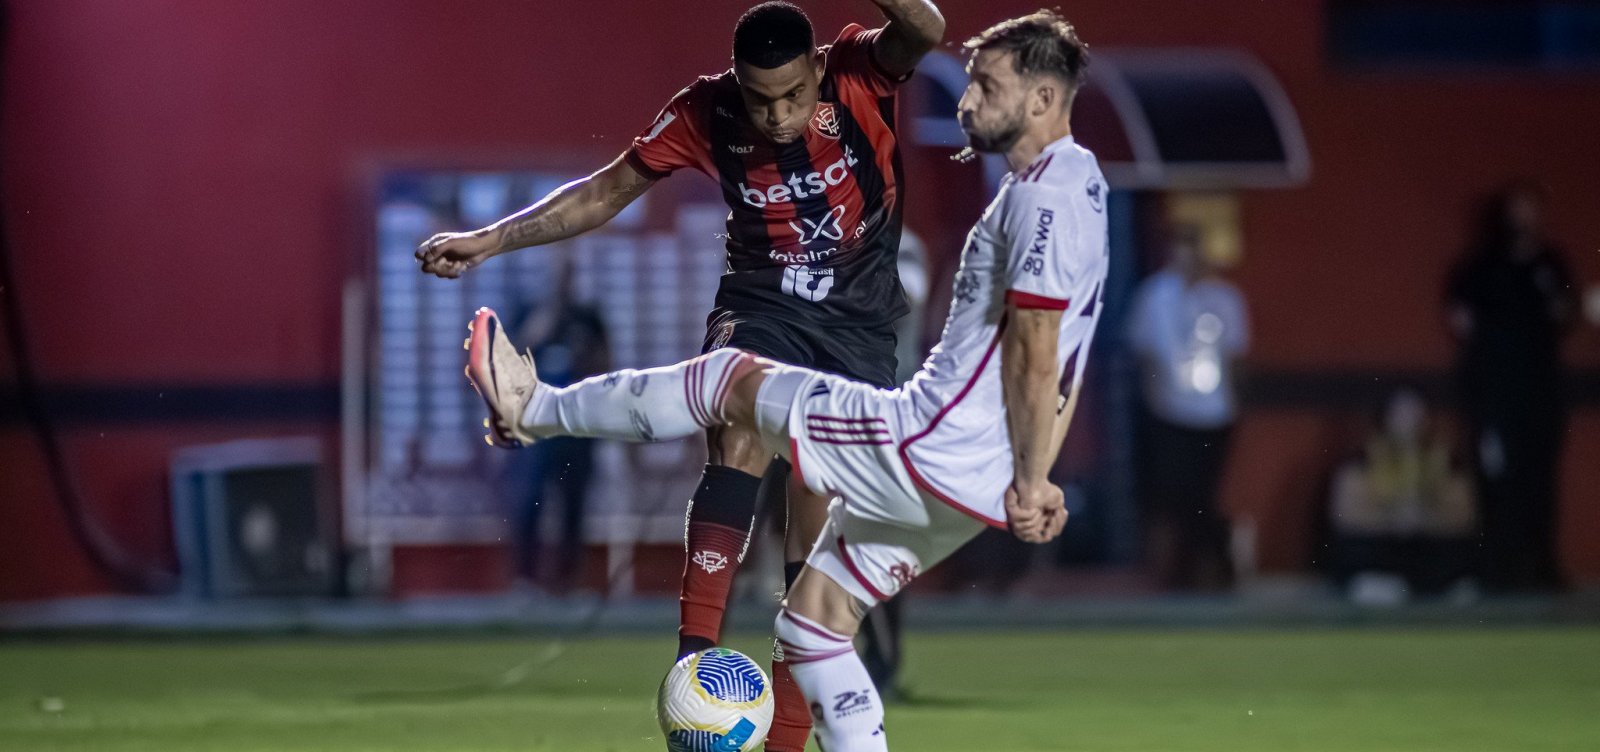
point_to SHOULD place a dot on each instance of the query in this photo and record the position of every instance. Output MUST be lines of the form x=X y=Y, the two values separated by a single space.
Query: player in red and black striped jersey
x=814 y=226
x=802 y=141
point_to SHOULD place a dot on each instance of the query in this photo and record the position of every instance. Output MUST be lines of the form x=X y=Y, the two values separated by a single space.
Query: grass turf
x=1277 y=691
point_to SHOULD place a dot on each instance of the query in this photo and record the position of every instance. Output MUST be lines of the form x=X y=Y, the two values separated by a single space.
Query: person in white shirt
x=920 y=470
x=1189 y=328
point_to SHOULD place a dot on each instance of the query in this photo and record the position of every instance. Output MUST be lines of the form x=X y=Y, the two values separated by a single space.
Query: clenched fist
x=448 y=254
x=1036 y=513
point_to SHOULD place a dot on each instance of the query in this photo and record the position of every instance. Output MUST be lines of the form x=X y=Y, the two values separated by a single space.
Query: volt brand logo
x=737 y=149
x=827 y=227
x=800 y=186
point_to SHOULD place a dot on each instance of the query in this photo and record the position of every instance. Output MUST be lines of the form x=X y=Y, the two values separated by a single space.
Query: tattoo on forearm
x=622 y=195
x=535 y=230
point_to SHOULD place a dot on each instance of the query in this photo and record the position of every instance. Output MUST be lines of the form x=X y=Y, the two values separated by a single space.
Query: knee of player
x=737 y=445
x=806 y=640
x=733 y=378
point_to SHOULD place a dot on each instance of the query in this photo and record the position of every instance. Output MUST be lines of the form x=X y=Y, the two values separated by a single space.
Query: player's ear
x=1045 y=95
x=819 y=63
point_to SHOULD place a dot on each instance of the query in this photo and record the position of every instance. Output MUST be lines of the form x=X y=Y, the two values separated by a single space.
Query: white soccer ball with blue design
x=716 y=700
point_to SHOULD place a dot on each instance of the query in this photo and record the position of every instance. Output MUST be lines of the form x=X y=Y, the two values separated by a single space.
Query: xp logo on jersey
x=800 y=186
x=1096 y=192
x=806 y=283
x=826 y=121
x=827 y=227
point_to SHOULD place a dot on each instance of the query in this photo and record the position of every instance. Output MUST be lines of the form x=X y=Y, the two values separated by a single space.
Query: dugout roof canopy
x=1193 y=119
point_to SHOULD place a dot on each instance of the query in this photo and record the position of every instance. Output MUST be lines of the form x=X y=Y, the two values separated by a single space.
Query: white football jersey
x=1040 y=244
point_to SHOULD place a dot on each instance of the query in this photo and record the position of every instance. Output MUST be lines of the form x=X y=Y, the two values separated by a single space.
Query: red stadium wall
x=184 y=186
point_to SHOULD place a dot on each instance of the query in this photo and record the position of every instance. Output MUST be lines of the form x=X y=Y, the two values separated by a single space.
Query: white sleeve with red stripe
x=1045 y=249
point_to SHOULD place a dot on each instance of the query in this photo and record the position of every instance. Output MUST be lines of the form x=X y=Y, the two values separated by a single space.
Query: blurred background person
x=569 y=343
x=1401 y=512
x=1510 y=302
x=1188 y=328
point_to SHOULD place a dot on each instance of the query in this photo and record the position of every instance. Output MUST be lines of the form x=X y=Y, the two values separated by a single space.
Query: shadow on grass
x=909 y=698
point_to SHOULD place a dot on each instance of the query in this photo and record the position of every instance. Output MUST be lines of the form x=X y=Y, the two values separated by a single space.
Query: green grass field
x=1274 y=691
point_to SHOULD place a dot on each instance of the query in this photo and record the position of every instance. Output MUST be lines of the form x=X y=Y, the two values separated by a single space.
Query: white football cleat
x=504 y=378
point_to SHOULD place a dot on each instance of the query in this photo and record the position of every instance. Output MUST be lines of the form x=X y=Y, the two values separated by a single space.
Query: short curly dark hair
x=1041 y=43
x=771 y=34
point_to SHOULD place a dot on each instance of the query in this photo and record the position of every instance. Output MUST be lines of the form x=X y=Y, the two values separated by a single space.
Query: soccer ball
x=716 y=700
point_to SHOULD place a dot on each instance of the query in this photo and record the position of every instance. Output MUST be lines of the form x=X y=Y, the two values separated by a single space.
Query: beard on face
x=998 y=138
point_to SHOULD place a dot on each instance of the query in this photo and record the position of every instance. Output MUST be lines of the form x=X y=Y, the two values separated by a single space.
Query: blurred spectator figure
x=1401 y=513
x=1189 y=327
x=1510 y=301
x=569 y=344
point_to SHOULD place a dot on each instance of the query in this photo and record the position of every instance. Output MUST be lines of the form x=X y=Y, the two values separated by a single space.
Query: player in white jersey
x=916 y=471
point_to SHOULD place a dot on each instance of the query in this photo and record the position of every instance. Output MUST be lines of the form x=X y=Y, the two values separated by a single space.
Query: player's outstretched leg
x=654 y=404
x=815 y=628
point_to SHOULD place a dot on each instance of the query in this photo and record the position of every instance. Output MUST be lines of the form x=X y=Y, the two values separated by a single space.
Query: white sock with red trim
x=845 y=707
x=654 y=404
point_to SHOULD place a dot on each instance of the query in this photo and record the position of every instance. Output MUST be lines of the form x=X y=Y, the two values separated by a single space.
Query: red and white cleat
x=504 y=378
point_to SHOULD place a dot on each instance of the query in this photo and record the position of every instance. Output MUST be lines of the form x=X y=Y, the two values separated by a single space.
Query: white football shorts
x=843 y=439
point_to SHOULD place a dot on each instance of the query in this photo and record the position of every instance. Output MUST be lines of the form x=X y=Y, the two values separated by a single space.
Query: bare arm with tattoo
x=572 y=209
x=914 y=28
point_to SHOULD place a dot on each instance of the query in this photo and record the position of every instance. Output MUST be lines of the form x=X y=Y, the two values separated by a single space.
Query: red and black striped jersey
x=814 y=225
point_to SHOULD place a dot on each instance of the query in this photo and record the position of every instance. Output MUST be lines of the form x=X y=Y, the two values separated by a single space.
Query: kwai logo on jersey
x=806 y=283
x=827 y=227
x=826 y=121
x=1034 y=263
x=800 y=186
